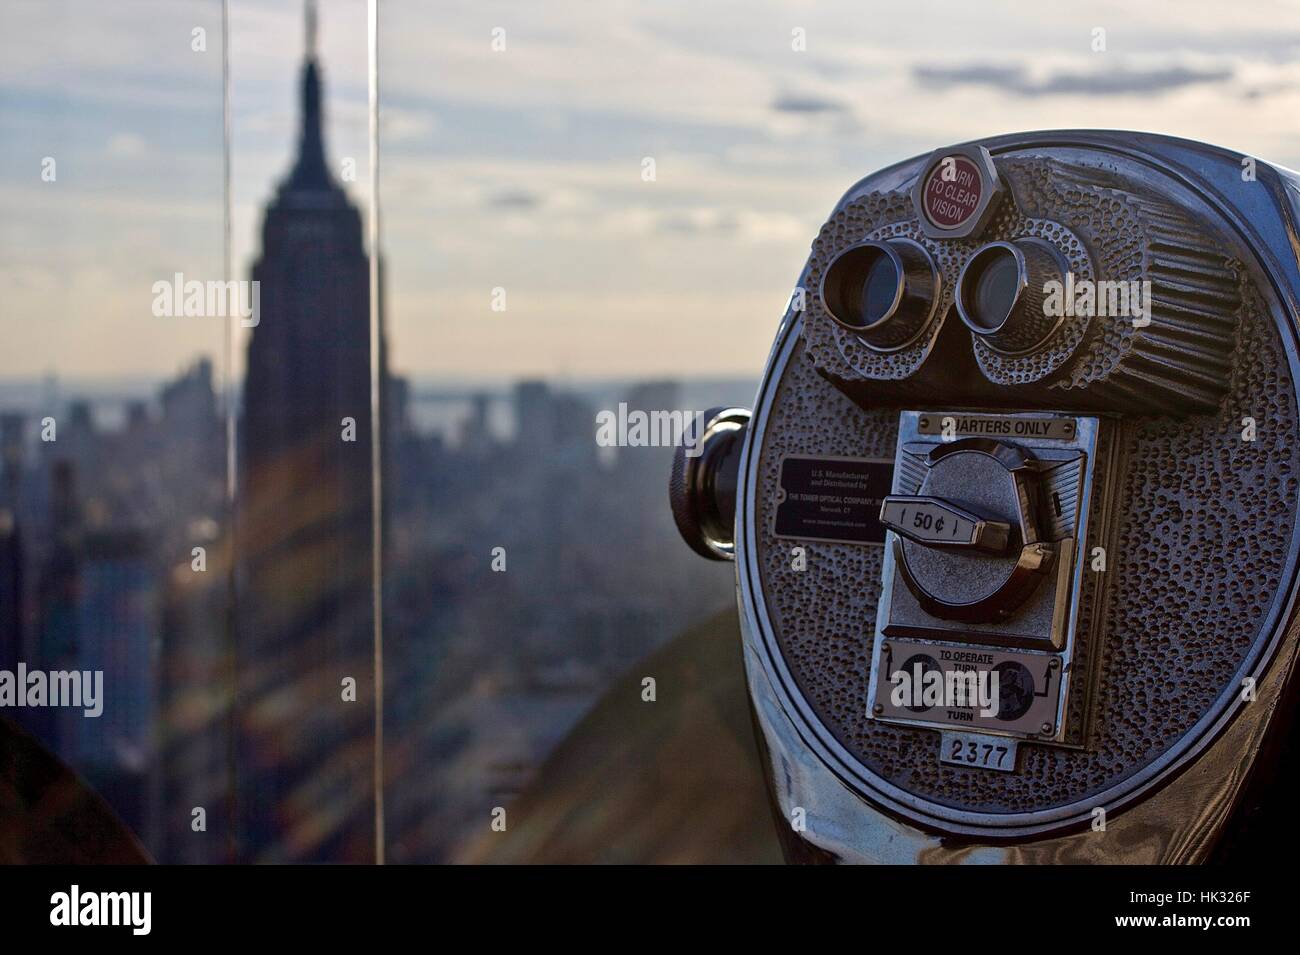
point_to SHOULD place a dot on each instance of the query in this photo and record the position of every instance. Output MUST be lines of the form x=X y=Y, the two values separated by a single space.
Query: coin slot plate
x=1028 y=684
x=1066 y=447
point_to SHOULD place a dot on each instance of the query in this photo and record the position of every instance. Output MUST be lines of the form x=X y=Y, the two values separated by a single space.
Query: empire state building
x=305 y=626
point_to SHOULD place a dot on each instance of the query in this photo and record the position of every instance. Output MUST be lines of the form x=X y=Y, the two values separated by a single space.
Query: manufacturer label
x=833 y=499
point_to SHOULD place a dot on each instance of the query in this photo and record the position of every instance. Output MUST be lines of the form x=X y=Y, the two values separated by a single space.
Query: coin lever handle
x=936 y=522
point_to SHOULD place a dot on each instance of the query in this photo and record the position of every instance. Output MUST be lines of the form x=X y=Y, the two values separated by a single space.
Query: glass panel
x=540 y=272
x=113 y=508
x=211 y=571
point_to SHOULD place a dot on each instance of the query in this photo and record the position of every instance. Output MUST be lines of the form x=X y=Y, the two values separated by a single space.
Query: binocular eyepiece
x=1001 y=292
x=885 y=292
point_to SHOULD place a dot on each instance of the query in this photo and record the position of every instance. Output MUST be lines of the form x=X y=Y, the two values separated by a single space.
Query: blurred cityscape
x=485 y=671
x=227 y=635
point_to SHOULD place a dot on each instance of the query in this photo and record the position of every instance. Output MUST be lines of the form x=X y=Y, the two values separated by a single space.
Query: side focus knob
x=702 y=487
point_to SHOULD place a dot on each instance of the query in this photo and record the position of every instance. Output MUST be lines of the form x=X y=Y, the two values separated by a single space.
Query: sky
x=522 y=168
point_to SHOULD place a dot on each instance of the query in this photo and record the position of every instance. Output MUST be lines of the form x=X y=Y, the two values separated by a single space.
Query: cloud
x=405 y=125
x=519 y=199
x=806 y=103
x=126 y=146
x=717 y=222
x=1109 y=82
x=729 y=223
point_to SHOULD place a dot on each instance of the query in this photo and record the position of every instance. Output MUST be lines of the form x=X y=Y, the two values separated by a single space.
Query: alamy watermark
x=180 y=298
x=133 y=910
x=1086 y=298
x=925 y=688
x=623 y=428
x=57 y=688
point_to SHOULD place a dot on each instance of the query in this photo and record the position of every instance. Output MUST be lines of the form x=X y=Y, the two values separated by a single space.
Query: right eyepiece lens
x=1001 y=294
x=991 y=286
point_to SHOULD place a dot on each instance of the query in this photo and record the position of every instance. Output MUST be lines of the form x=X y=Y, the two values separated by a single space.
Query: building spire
x=310 y=171
x=309 y=47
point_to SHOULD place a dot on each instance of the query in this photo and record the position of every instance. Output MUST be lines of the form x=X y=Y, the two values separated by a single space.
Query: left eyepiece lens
x=863 y=285
x=883 y=291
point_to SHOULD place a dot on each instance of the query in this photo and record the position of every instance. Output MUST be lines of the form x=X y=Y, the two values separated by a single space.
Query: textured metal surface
x=1175 y=825
x=1108 y=226
x=1199 y=558
x=1197 y=574
x=1046 y=617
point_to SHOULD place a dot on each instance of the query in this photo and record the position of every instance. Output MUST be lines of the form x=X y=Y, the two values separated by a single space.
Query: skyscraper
x=305 y=626
x=11 y=541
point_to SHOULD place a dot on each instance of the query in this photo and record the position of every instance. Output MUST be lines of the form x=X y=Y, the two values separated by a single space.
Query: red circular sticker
x=952 y=191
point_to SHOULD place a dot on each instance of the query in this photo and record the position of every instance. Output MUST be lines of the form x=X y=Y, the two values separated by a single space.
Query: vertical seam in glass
x=228 y=389
x=376 y=428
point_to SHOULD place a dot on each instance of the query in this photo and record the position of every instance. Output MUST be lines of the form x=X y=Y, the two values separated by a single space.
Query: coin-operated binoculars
x=1014 y=518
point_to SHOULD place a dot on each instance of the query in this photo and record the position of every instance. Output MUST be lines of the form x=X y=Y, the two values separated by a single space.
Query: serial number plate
x=980 y=689
x=978 y=750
